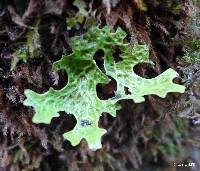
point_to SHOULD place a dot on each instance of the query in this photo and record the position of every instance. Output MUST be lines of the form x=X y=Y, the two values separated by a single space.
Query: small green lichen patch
x=79 y=96
x=30 y=49
x=79 y=17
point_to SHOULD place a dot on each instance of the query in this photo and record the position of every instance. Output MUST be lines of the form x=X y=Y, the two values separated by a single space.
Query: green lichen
x=80 y=15
x=79 y=96
x=30 y=49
